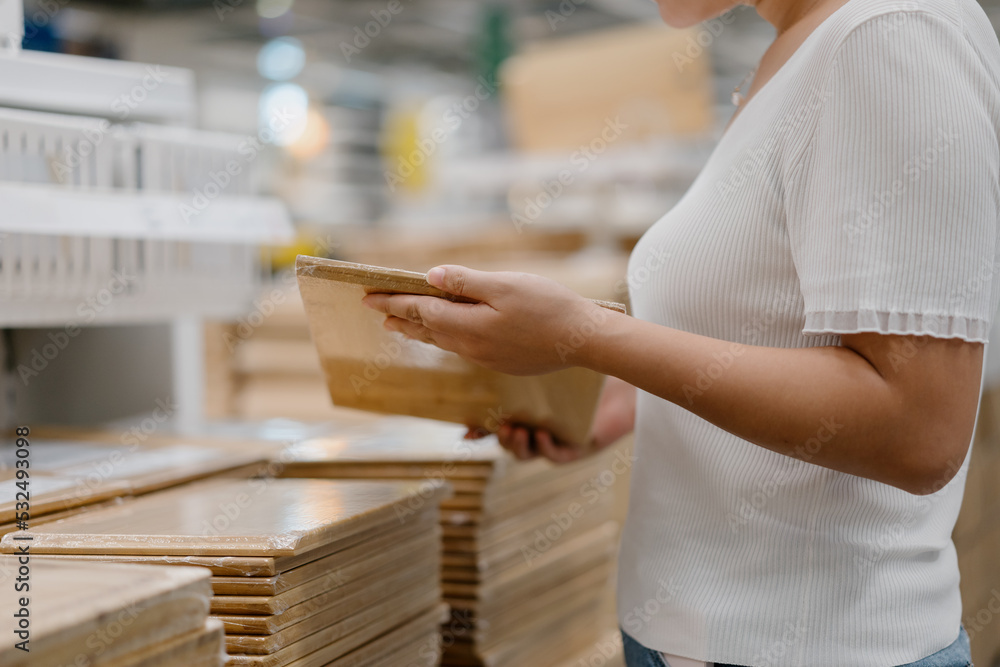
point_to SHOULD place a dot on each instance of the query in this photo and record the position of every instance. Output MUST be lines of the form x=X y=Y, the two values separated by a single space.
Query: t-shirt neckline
x=742 y=110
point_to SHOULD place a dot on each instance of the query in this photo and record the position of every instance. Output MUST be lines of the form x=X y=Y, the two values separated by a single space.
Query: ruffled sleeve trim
x=973 y=330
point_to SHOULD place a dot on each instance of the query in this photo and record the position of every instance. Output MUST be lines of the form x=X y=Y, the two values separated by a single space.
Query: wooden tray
x=282 y=517
x=373 y=369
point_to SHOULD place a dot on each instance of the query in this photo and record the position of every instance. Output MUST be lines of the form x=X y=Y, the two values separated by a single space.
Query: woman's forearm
x=827 y=405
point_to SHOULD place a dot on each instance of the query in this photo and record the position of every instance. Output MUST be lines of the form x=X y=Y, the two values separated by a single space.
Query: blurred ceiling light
x=284 y=109
x=271 y=9
x=281 y=59
x=314 y=137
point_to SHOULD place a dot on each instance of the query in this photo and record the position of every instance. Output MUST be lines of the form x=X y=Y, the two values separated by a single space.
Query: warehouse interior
x=164 y=163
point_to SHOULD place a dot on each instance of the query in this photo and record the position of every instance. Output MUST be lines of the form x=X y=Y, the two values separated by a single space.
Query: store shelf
x=48 y=210
x=96 y=87
x=135 y=223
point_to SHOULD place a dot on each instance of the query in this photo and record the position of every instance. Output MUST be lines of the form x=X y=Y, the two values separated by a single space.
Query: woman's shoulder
x=905 y=42
x=933 y=23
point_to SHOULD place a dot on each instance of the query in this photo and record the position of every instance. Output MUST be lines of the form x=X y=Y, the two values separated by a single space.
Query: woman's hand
x=522 y=324
x=615 y=418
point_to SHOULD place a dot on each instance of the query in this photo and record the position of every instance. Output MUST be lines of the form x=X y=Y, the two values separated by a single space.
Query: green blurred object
x=493 y=43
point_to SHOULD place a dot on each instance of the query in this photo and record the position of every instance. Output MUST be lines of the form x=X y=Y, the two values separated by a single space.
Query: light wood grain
x=342 y=638
x=415 y=644
x=98 y=612
x=233 y=517
x=204 y=647
x=370 y=368
x=411 y=533
x=248 y=566
x=400 y=556
x=350 y=595
x=424 y=588
x=561 y=96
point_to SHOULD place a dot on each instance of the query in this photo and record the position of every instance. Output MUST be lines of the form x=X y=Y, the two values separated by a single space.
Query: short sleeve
x=892 y=207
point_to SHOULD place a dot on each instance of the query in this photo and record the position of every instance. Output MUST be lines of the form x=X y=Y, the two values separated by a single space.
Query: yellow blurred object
x=622 y=85
x=405 y=159
x=283 y=257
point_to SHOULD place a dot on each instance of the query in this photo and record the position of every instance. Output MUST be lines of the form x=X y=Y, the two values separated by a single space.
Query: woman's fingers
x=522 y=444
x=409 y=329
x=548 y=448
x=517 y=440
x=430 y=311
x=472 y=284
x=421 y=333
x=525 y=443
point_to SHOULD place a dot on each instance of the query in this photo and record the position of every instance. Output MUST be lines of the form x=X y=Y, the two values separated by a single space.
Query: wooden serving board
x=73 y=602
x=278 y=517
x=373 y=369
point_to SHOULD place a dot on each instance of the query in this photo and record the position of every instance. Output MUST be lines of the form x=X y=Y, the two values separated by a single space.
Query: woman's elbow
x=926 y=469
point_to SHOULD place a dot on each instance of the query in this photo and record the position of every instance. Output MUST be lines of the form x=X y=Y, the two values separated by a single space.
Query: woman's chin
x=679 y=18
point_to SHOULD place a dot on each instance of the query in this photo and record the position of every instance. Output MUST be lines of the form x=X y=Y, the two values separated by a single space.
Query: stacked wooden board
x=107 y=616
x=304 y=572
x=528 y=547
x=72 y=471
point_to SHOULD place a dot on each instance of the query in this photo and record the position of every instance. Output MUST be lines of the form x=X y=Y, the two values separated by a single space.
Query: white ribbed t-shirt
x=858 y=190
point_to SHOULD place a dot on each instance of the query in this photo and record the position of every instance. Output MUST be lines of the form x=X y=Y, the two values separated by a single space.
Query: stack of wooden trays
x=305 y=572
x=107 y=616
x=528 y=546
x=84 y=469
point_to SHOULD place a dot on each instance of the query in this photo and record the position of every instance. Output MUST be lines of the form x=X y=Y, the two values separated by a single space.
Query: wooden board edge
x=383 y=279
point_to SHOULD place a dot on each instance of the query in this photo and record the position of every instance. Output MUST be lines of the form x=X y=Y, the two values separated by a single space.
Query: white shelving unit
x=114 y=211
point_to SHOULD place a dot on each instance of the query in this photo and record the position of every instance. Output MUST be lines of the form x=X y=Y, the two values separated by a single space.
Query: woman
x=807 y=342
